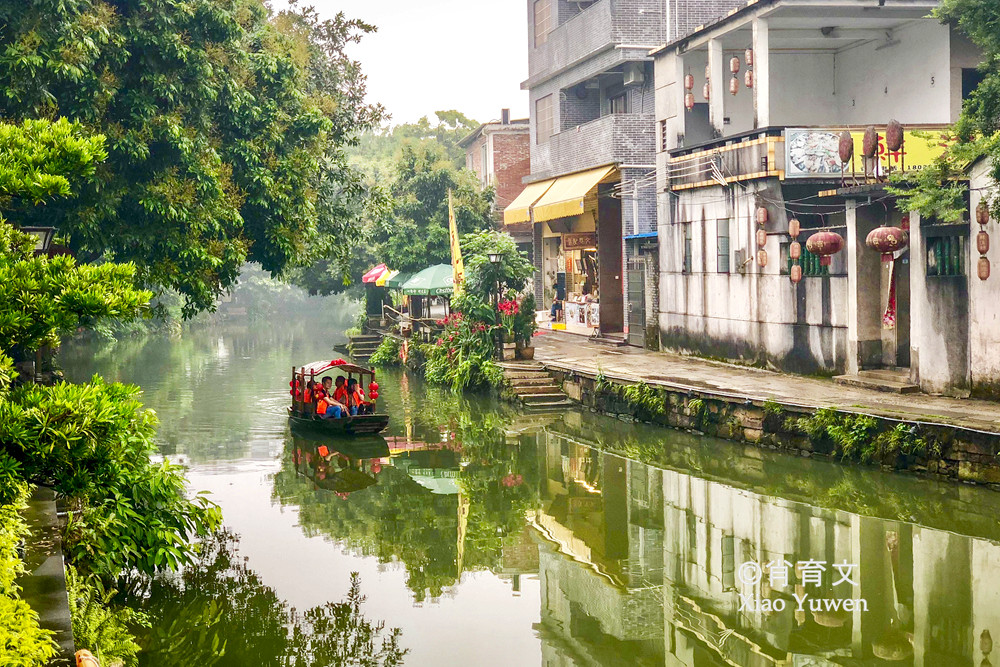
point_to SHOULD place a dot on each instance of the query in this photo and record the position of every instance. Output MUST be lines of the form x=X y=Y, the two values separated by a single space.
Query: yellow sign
x=814 y=152
x=457 y=266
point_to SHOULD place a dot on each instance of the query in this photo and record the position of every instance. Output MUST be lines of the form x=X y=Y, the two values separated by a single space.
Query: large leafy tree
x=219 y=122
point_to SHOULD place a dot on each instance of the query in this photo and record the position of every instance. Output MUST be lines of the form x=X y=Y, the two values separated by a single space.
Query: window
x=946 y=256
x=663 y=135
x=544 y=125
x=810 y=262
x=722 y=244
x=686 y=268
x=618 y=103
x=543 y=21
x=971 y=78
x=484 y=156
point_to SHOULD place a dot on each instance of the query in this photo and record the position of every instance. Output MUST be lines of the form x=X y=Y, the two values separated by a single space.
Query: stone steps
x=534 y=387
x=888 y=380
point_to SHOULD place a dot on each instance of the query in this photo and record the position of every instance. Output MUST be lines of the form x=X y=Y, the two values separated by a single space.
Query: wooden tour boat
x=302 y=414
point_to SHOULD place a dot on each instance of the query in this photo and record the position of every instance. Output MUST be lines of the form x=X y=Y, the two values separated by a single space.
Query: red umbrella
x=374 y=273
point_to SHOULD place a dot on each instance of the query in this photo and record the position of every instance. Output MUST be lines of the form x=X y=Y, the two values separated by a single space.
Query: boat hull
x=359 y=425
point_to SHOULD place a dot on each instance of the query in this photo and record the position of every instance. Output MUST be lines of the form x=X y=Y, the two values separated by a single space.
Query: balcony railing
x=623 y=138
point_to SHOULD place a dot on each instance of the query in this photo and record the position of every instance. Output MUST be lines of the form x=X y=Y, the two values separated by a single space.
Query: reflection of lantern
x=734 y=65
x=894 y=135
x=748 y=57
x=982 y=212
x=689 y=101
x=845 y=147
x=795 y=250
x=762 y=258
x=734 y=85
x=887 y=240
x=689 y=81
x=761 y=215
x=869 y=144
x=983 y=268
x=982 y=243
x=796 y=273
x=705 y=90
x=748 y=78
x=825 y=244
x=794 y=228
x=761 y=238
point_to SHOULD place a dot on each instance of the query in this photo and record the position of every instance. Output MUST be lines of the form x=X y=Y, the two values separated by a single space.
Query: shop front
x=581 y=247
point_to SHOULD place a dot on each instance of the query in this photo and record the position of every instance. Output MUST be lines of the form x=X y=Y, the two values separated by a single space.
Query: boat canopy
x=319 y=367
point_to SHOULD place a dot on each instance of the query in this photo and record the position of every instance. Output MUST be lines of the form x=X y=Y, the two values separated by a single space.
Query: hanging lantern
x=373 y=395
x=869 y=145
x=734 y=85
x=373 y=386
x=761 y=215
x=904 y=223
x=795 y=250
x=825 y=244
x=795 y=273
x=887 y=240
x=748 y=57
x=689 y=81
x=893 y=136
x=794 y=228
x=689 y=101
x=761 y=237
x=762 y=258
x=706 y=90
x=845 y=148
x=748 y=78
x=734 y=65
x=982 y=212
x=708 y=71
x=983 y=268
x=983 y=242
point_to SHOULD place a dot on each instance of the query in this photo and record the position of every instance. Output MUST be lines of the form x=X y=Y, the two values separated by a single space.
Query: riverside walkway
x=567 y=352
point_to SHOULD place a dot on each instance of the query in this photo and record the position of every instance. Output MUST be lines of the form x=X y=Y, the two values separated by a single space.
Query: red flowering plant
x=508 y=310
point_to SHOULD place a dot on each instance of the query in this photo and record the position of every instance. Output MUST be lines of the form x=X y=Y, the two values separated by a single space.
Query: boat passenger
x=356 y=398
x=340 y=392
x=326 y=406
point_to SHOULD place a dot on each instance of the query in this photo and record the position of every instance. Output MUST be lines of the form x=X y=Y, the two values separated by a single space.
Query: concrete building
x=498 y=154
x=750 y=113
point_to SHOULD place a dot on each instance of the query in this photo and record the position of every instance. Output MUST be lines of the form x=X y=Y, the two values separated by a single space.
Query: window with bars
x=722 y=244
x=810 y=262
x=543 y=21
x=544 y=122
x=687 y=262
x=946 y=256
x=663 y=135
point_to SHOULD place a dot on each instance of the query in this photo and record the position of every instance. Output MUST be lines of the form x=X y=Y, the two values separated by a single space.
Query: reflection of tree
x=220 y=613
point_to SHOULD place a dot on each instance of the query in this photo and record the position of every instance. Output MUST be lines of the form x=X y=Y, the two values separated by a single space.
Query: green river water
x=488 y=536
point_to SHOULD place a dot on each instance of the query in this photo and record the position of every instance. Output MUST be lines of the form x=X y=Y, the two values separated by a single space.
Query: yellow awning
x=519 y=210
x=565 y=197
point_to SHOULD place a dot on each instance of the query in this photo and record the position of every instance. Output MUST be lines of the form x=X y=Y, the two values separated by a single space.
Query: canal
x=492 y=537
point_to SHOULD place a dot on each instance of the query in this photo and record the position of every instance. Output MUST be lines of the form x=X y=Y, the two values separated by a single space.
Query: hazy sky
x=470 y=55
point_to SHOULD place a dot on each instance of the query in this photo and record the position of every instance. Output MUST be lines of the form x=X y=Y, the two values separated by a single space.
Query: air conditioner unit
x=635 y=74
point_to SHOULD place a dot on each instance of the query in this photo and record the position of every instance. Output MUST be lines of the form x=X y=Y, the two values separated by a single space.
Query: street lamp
x=43 y=237
x=495 y=259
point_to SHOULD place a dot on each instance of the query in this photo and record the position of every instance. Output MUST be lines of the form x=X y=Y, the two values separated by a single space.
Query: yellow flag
x=458 y=269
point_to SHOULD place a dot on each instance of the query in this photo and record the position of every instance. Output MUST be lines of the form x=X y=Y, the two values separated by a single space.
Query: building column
x=536 y=256
x=761 y=78
x=717 y=86
x=864 y=322
x=918 y=293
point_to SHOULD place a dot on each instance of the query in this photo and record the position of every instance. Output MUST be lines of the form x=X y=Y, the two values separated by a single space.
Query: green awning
x=397 y=280
x=435 y=280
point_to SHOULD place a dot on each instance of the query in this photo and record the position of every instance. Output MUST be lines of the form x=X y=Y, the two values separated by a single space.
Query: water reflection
x=494 y=537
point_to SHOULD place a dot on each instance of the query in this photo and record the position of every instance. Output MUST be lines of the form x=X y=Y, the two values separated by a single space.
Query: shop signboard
x=814 y=152
x=579 y=241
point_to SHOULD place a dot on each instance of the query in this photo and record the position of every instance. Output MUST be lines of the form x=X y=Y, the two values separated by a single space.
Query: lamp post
x=43 y=237
x=495 y=259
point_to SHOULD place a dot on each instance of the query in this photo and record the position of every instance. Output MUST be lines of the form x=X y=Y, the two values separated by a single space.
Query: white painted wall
x=803 y=87
x=984 y=296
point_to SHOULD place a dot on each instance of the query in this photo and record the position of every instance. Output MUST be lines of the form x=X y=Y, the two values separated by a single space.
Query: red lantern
x=796 y=273
x=893 y=135
x=983 y=243
x=982 y=212
x=825 y=244
x=748 y=57
x=748 y=78
x=983 y=268
x=761 y=238
x=373 y=386
x=761 y=215
x=706 y=90
x=689 y=101
x=373 y=395
x=795 y=250
x=762 y=258
x=869 y=145
x=734 y=65
x=845 y=147
x=689 y=81
x=887 y=240
x=734 y=85
x=794 y=228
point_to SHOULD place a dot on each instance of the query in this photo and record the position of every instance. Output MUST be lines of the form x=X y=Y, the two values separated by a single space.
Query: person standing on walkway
x=557 y=303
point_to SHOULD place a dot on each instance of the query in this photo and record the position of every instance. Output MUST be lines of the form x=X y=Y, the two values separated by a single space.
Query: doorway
x=637 y=301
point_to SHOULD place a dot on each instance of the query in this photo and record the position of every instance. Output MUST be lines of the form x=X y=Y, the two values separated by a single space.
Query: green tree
x=222 y=127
